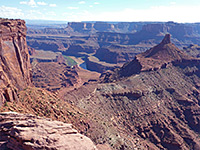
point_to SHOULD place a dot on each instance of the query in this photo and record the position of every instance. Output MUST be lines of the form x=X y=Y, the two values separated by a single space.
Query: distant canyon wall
x=121 y=40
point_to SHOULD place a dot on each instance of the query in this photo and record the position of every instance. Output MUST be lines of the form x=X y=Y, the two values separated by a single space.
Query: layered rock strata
x=28 y=132
x=15 y=70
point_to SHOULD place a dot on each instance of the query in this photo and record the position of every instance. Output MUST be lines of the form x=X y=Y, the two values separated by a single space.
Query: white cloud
x=52 y=5
x=31 y=3
x=157 y=13
x=23 y=2
x=91 y=6
x=34 y=14
x=73 y=8
x=10 y=12
x=51 y=13
x=82 y=2
x=47 y=15
x=96 y=3
x=172 y=3
x=15 y=13
x=42 y=3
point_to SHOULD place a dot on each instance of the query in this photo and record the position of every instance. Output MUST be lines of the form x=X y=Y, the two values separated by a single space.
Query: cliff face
x=90 y=27
x=15 y=73
x=122 y=27
x=179 y=31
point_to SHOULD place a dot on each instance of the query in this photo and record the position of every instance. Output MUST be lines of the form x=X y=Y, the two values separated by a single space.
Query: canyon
x=123 y=40
x=146 y=97
x=25 y=131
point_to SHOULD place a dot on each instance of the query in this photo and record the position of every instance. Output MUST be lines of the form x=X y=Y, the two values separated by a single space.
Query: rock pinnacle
x=167 y=39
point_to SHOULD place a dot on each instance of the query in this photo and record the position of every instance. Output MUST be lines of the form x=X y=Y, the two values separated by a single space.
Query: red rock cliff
x=15 y=69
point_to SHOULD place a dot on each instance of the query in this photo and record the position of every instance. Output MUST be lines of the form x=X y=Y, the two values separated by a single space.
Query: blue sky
x=102 y=10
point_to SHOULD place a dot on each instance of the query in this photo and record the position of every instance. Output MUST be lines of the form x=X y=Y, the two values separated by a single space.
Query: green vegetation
x=5 y=104
x=70 y=61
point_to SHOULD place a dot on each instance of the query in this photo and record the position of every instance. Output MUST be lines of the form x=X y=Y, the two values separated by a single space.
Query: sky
x=102 y=10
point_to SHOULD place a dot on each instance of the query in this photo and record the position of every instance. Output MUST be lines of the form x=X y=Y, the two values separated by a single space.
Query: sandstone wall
x=15 y=69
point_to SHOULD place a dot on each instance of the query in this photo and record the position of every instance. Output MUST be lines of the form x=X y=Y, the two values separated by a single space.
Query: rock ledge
x=28 y=132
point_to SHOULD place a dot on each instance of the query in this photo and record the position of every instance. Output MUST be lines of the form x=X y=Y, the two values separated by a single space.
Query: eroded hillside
x=158 y=104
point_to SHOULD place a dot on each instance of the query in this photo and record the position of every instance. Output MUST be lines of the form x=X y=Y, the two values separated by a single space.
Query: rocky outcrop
x=45 y=56
x=15 y=70
x=31 y=51
x=45 y=44
x=93 y=64
x=160 y=56
x=22 y=132
x=105 y=54
x=192 y=50
x=80 y=50
x=55 y=76
x=115 y=54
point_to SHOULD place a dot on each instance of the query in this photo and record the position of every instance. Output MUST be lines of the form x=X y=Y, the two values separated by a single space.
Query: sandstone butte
x=160 y=56
x=157 y=57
